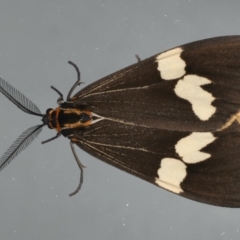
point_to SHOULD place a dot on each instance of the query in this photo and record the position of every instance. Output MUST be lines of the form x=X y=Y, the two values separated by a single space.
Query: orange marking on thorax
x=57 y=110
x=74 y=140
x=77 y=111
x=57 y=114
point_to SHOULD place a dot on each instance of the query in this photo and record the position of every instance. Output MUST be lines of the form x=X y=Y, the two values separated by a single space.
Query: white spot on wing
x=171 y=173
x=189 y=88
x=188 y=147
x=170 y=64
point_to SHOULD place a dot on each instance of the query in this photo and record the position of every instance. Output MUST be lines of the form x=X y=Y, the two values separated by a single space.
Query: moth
x=172 y=120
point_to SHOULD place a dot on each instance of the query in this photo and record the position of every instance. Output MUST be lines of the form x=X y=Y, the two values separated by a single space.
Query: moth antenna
x=19 y=145
x=19 y=99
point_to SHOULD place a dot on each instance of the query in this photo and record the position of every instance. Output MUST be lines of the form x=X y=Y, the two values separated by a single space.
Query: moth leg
x=80 y=167
x=78 y=82
x=138 y=58
x=53 y=138
x=60 y=99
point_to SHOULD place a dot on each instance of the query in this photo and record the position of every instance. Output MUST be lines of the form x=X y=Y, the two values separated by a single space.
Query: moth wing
x=194 y=87
x=173 y=120
x=216 y=180
x=207 y=169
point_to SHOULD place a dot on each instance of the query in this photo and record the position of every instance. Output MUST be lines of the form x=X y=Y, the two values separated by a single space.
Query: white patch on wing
x=188 y=148
x=189 y=88
x=170 y=64
x=170 y=174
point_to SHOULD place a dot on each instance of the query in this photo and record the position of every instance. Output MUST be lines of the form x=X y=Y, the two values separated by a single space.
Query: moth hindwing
x=172 y=120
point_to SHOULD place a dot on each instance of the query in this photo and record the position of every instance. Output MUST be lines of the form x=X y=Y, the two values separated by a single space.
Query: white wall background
x=37 y=38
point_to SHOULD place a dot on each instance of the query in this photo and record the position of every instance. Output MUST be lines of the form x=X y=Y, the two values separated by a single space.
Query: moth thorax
x=60 y=118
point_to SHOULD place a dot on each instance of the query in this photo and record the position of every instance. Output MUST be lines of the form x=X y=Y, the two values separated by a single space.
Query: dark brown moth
x=172 y=120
